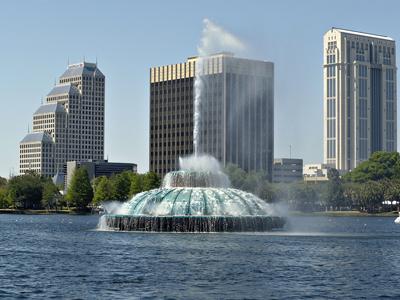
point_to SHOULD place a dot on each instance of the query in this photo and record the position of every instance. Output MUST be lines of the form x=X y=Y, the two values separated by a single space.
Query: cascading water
x=193 y=200
x=198 y=197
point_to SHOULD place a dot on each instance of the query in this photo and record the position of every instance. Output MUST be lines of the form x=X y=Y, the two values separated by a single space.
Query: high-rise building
x=70 y=126
x=360 y=109
x=236 y=112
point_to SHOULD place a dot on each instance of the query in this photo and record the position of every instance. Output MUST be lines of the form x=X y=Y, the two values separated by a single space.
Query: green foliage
x=102 y=190
x=392 y=190
x=3 y=182
x=51 y=195
x=25 y=191
x=381 y=165
x=80 y=192
x=136 y=184
x=5 y=201
x=151 y=181
x=236 y=175
x=120 y=186
x=335 y=198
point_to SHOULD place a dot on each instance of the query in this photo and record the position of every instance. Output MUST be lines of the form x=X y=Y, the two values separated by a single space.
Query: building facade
x=236 y=112
x=315 y=172
x=73 y=116
x=287 y=170
x=37 y=153
x=360 y=97
x=96 y=169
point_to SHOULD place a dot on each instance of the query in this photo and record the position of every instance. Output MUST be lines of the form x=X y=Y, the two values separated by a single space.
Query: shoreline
x=343 y=213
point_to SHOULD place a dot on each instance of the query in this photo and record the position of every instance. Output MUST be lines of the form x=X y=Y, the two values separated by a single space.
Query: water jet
x=194 y=201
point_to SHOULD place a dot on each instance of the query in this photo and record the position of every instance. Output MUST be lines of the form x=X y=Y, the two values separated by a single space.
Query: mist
x=214 y=39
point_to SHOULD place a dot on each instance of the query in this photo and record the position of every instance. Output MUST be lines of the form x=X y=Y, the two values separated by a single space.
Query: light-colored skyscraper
x=70 y=126
x=360 y=107
x=236 y=112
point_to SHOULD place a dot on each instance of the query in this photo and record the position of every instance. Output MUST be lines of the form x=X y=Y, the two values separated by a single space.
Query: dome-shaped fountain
x=194 y=201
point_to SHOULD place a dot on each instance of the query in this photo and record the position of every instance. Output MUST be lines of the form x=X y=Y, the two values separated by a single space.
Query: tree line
x=32 y=191
x=366 y=188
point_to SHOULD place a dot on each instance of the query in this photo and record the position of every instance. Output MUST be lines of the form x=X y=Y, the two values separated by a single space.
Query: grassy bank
x=344 y=213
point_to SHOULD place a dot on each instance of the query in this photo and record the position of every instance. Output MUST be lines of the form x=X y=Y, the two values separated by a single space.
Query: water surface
x=63 y=256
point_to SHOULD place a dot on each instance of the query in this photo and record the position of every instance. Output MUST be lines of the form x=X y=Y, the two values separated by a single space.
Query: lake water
x=64 y=256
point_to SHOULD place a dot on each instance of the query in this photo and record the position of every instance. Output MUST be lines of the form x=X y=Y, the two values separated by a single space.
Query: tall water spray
x=214 y=39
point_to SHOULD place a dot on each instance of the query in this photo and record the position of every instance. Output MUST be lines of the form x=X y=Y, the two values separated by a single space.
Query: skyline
x=127 y=64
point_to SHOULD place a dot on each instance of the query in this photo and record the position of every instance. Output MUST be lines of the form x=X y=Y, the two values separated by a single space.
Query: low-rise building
x=97 y=168
x=315 y=172
x=287 y=170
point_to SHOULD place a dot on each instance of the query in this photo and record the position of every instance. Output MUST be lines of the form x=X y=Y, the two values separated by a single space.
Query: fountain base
x=194 y=223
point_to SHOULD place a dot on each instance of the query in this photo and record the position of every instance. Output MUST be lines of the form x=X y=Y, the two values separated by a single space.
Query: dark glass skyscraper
x=236 y=122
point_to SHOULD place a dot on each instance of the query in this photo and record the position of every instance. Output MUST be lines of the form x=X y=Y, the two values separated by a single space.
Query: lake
x=63 y=256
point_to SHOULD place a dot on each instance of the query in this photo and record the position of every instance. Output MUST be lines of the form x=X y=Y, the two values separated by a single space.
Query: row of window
x=331 y=87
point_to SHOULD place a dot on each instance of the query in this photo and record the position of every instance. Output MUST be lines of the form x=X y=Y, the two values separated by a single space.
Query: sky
x=38 y=38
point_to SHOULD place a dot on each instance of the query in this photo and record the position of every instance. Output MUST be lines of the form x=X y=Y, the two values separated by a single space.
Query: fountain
x=194 y=201
x=197 y=198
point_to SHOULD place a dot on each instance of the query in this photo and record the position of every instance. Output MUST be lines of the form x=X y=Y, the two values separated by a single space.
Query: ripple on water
x=63 y=257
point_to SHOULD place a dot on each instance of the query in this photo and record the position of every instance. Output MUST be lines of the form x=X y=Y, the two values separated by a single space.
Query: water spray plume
x=214 y=39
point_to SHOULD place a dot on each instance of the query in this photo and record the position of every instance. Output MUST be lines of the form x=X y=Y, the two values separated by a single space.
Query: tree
x=25 y=191
x=371 y=196
x=80 y=192
x=381 y=165
x=120 y=186
x=151 y=181
x=253 y=182
x=136 y=184
x=3 y=182
x=303 y=197
x=236 y=175
x=4 y=199
x=335 y=197
x=267 y=192
x=391 y=192
x=51 y=195
x=102 y=190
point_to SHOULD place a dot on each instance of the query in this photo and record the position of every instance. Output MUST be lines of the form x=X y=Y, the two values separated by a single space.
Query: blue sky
x=128 y=37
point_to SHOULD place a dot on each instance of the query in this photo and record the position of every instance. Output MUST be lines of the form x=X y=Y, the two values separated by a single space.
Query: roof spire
x=68 y=62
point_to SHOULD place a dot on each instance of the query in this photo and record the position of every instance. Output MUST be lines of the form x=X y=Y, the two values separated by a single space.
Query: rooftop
x=37 y=137
x=371 y=35
x=83 y=68
x=63 y=89
x=50 y=108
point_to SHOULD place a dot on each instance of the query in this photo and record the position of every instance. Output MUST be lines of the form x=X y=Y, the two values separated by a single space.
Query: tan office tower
x=73 y=117
x=236 y=115
x=360 y=109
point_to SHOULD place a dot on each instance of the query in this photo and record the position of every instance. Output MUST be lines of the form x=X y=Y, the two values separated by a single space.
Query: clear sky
x=128 y=37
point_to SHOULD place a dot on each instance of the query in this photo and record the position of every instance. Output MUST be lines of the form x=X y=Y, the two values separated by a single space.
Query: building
x=360 y=97
x=36 y=153
x=236 y=120
x=287 y=170
x=71 y=120
x=315 y=172
x=97 y=169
